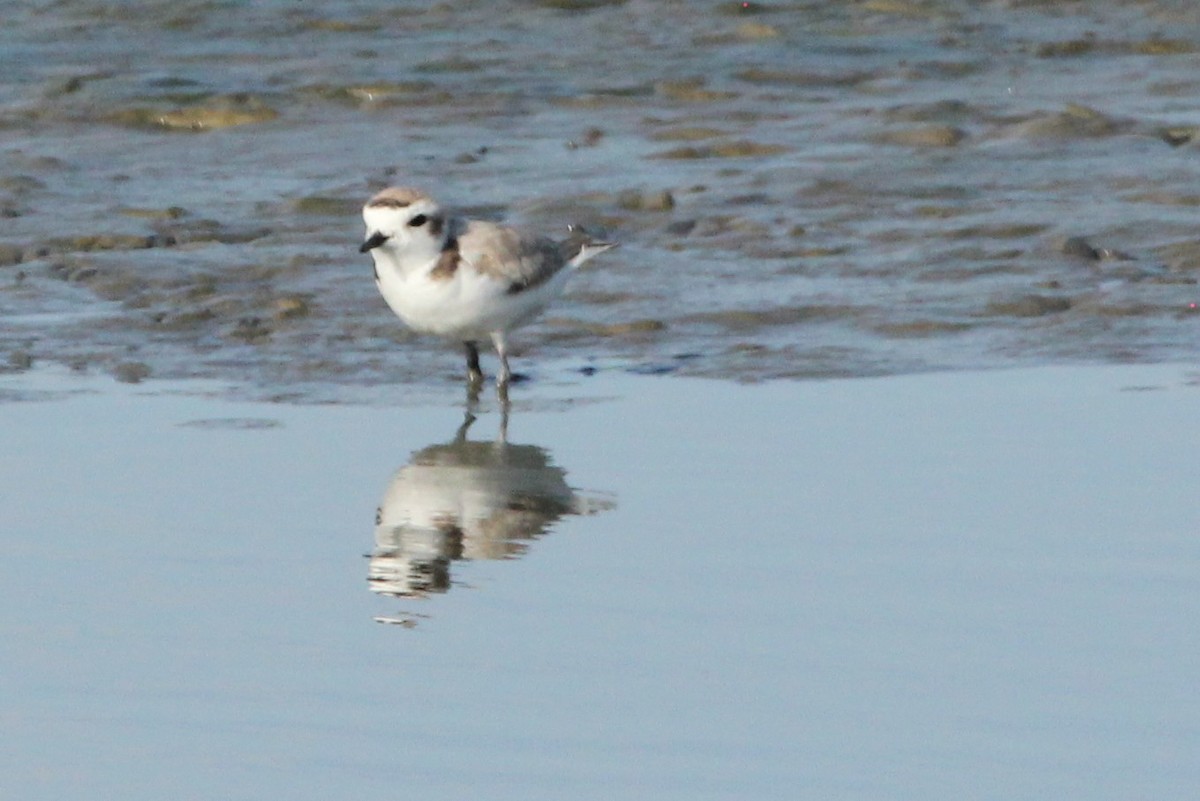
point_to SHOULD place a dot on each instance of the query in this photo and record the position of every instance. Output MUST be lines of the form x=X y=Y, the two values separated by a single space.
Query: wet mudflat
x=969 y=585
x=801 y=188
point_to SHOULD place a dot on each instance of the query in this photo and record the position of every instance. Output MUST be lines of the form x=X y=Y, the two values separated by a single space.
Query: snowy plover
x=462 y=279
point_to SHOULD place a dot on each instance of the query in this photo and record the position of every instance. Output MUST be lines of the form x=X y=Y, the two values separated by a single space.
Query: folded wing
x=507 y=255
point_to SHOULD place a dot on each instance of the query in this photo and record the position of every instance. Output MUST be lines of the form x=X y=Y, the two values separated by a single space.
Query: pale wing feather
x=507 y=255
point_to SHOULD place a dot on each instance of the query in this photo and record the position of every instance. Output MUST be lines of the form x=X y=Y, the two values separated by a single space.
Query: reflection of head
x=466 y=500
x=415 y=561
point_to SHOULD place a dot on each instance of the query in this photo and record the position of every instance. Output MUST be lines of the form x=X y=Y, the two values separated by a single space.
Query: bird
x=462 y=279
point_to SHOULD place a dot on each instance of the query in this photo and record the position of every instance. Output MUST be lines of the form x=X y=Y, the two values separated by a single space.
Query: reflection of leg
x=473 y=387
x=502 y=395
x=461 y=434
x=474 y=373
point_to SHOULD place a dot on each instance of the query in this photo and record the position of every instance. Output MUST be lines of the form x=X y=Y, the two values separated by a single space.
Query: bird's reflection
x=467 y=500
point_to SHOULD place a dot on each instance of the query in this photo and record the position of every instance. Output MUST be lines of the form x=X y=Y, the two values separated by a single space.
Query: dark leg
x=474 y=373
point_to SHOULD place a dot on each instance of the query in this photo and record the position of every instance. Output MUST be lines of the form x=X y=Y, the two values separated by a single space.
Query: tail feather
x=580 y=246
x=591 y=249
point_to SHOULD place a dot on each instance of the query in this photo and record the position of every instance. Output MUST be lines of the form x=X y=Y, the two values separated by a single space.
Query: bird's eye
x=418 y=221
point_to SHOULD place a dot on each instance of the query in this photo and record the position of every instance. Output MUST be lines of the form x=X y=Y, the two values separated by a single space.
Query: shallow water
x=971 y=585
x=853 y=188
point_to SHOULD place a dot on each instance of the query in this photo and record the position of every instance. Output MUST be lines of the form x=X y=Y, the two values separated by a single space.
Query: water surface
x=974 y=585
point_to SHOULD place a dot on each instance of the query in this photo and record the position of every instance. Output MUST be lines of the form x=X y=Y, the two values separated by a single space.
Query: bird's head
x=404 y=222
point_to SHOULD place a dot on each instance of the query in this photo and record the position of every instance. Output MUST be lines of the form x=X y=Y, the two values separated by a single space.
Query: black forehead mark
x=388 y=203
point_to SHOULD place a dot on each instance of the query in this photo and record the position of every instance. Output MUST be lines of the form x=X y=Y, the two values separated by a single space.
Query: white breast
x=467 y=305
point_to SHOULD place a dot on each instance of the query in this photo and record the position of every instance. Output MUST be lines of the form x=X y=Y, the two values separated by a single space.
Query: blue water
x=980 y=585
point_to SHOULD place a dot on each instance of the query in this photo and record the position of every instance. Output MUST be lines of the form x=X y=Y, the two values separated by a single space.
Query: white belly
x=465 y=306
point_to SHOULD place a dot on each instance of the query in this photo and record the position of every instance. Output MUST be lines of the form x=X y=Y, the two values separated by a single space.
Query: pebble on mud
x=900 y=8
x=219 y=113
x=20 y=360
x=754 y=319
x=637 y=200
x=1013 y=230
x=131 y=372
x=941 y=111
x=327 y=206
x=564 y=329
x=92 y=242
x=1073 y=122
x=924 y=136
x=1028 y=306
x=1178 y=135
x=1156 y=46
x=21 y=184
x=1089 y=44
x=591 y=137
x=10 y=254
x=384 y=92
x=688 y=134
x=249 y=330
x=290 y=307
x=631 y=328
x=757 y=30
x=690 y=90
x=915 y=329
x=454 y=63
x=169 y=213
x=209 y=119
x=773 y=77
x=723 y=150
x=340 y=25
x=183 y=320
x=577 y=5
x=742 y=8
x=1183 y=256
x=1070 y=47
x=1078 y=247
x=204 y=231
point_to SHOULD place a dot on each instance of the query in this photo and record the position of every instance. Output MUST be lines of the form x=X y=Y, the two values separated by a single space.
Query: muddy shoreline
x=800 y=190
